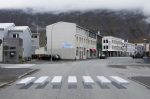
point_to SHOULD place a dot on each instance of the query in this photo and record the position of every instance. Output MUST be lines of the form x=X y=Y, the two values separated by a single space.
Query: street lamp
x=145 y=47
x=145 y=58
x=52 y=42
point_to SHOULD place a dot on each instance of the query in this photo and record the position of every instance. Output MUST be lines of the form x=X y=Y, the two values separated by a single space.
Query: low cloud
x=80 y=5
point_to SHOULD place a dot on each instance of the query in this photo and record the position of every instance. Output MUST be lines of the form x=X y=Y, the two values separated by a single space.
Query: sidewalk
x=9 y=75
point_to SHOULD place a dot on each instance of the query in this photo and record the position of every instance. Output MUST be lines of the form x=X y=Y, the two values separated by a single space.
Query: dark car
x=137 y=56
x=102 y=56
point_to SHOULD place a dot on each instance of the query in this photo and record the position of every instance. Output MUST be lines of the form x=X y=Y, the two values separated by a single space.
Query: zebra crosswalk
x=58 y=80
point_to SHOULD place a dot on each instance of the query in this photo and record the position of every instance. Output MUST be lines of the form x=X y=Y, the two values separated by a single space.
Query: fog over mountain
x=128 y=19
x=76 y=5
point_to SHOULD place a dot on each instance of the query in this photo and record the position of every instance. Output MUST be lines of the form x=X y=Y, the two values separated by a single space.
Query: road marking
x=88 y=80
x=103 y=80
x=26 y=81
x=56 y=80
x=72 y=80
x=42 y=80
x=19 y=66
x=119 y=80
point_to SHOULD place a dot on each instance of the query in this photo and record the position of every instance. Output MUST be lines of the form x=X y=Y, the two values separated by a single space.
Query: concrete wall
x=4 y=33
x=62 y=33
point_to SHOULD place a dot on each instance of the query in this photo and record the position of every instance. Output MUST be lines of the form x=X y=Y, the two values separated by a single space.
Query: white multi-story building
x=113 y=46
x=70 y=41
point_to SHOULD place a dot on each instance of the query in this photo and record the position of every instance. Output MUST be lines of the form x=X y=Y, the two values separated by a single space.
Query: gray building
x=16 y=43
x=4 y=27
x=24 y=33
x=35 y=42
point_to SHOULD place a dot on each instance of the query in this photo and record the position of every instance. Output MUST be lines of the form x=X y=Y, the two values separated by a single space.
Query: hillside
x=129 y=25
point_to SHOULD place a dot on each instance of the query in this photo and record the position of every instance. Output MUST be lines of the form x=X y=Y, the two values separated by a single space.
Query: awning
x=93 y=50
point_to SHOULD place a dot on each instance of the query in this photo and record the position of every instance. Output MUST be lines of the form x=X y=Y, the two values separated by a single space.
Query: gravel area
x=11 y=74
x=145 y=80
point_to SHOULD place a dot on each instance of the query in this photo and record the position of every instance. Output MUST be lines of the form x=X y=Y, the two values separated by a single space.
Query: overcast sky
x=67 y=5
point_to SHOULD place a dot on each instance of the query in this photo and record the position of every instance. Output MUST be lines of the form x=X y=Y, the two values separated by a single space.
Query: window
x=77 y=51
x=34 y=36
x=106 y=41
x=80 y=39
x=84 y=51
x=103 y=41
x=106 y=47
x=77 y=38
x=15 y=35
x=12 y=48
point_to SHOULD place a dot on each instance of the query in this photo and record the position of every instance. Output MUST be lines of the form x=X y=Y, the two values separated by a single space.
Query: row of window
x=105 y=47
x=113 y=41
x=34 y=36
x=116 y=47
x=84 y=40
x=113 y=47
x=105 y=41
x=80 y=49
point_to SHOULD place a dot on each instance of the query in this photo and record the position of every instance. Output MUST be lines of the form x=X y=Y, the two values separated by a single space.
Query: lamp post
x=145 y=47
x=145 y=58
x=52 y=42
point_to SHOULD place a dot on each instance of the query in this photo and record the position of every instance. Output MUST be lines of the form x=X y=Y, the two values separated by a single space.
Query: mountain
x=129 y=25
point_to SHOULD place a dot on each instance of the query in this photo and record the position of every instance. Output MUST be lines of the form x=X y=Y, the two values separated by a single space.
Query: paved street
x=134 y=67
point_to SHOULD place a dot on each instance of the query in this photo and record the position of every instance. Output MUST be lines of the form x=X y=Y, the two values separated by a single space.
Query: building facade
x=113 y=46
x=35 y=42
x=4 y=27
x=24 y=33
x=140 y=49
x=11 y=49
x=70 y=41
x=131 y=49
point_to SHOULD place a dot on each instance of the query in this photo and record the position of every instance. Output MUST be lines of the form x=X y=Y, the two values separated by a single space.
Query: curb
x=8 y=83
x=27 y=73
x=2 y=85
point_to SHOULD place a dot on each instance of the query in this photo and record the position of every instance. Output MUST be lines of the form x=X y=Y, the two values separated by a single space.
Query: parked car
x=56 y=57
x=137 y=56
x=102 y=56
x=48 y=57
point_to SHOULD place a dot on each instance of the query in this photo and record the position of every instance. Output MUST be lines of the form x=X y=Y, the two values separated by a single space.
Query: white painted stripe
x=25 y=81
x=119 y=80
x=42 y=80
x=72 y=80
x=88 y=80
x=103 y=80
x=57 y=80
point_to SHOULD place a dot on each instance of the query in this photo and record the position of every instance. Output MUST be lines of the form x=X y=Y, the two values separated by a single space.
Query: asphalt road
x=81 y=68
